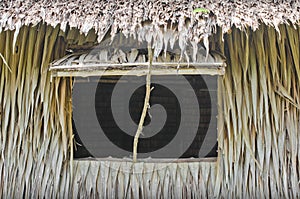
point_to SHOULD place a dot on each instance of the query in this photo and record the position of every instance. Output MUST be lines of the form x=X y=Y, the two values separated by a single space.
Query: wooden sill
x=151 y=160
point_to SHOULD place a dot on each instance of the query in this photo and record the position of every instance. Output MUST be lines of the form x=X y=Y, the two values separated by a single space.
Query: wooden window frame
x=80 y=69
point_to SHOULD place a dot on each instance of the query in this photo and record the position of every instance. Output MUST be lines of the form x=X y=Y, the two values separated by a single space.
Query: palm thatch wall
x=35 y=129
x=260 y=134
x=258 y=124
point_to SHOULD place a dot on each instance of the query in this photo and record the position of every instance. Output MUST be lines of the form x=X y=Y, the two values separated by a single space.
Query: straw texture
x=258 y=124
x=35 y=136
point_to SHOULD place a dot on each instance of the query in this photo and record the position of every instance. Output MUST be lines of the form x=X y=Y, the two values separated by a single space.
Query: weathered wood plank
x=139 y=72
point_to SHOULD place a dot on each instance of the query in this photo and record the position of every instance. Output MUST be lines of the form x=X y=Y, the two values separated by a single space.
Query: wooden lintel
x=101 y=66
x=139 y=72
x=138 y=69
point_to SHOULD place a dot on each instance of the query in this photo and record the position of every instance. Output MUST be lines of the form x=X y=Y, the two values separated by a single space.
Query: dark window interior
x=204 y=88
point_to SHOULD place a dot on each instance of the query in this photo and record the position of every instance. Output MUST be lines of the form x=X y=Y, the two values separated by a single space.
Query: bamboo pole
x=145 y=107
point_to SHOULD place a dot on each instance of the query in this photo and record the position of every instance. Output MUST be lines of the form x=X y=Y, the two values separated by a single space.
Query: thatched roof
x=128 y=16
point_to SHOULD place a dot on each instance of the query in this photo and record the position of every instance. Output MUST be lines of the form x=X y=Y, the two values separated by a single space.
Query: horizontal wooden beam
x=138 y=72
x=151 y=160
x=100 y=66
x=138 y=69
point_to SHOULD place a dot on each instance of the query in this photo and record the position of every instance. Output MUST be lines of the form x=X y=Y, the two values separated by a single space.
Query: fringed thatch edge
x=149 y=20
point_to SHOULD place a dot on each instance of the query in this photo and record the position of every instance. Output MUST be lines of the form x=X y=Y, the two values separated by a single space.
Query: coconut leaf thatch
x=130 y=15
x=258 y=122
x=260 y=133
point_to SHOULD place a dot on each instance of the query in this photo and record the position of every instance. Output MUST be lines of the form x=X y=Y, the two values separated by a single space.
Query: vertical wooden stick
x=146 y=104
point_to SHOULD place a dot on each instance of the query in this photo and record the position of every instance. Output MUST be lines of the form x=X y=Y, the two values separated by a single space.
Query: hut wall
x=259 y=136
x=35 y=117
x=259 y=124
